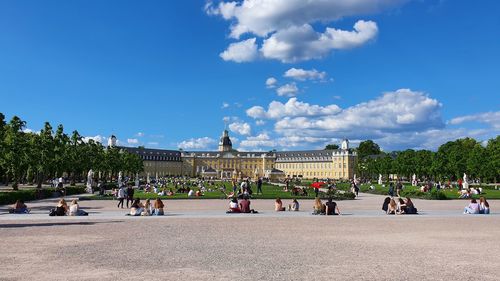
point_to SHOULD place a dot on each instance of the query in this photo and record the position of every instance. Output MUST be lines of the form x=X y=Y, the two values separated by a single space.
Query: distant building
x=229 y=163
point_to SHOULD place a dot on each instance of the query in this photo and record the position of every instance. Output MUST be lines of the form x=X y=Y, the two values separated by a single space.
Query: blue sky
x=165 y=74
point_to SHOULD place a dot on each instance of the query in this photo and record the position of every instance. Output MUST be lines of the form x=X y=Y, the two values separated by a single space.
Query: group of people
x=147 y=209
x=62 y=209
x=399 y=206
x=483 y=207
x=278 y=205
x=243 y=206
x=330 y=208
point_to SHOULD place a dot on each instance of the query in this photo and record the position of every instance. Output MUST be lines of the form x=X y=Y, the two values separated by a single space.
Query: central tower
x=225 y=142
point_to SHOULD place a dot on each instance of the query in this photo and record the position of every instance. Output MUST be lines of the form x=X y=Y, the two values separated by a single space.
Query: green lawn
x=414 y=192
x=269 y=192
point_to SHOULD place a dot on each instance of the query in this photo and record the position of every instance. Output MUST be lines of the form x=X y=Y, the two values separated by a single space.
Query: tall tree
x=331 y=146
x=366 y=148
x=15 y=150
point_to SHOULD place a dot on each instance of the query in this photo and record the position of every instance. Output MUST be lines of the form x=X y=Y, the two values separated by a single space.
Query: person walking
x=130 y=194
x=259 y=186
x=121 y=197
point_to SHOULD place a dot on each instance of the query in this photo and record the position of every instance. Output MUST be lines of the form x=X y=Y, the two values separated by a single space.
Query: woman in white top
x=74 y=209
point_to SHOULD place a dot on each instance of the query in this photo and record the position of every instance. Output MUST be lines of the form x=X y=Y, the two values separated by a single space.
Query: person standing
x=130 y=194
x=121 y=197
x=259 y=186
x=399 y=187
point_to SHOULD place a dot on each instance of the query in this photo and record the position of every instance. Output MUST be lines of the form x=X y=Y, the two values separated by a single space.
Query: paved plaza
x=196 y=240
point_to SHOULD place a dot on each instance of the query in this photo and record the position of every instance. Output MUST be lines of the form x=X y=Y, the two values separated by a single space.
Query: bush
x=436 y=195
x=11 y=197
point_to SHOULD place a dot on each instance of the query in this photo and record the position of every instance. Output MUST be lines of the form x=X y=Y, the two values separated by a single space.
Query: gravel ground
x=199 y=241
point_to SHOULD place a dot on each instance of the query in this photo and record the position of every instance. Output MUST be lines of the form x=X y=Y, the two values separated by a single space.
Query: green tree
x=331 y=146
x=15 y=150
x=493 y=152
x=366 y=148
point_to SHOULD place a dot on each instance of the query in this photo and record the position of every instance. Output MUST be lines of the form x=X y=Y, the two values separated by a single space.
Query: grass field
x=269 y=192
x=414 y=192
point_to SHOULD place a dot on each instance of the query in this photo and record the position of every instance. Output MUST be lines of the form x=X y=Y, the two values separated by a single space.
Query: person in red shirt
x=245 y=206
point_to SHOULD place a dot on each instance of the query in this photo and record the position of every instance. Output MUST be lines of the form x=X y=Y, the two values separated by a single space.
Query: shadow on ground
x=19 y=225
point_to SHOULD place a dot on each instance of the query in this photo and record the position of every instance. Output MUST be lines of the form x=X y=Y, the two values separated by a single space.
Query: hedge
x=11 y=197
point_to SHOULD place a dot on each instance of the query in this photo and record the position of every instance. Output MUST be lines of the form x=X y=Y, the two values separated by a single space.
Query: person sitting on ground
x=170 y=192
x=318 y=207
x=74 y=209
x=158 y=207
x=19 y=208
x=385 y=205
x=464 y=193
x=304 y=191
x=233 y=206
x=278 y=205
x=294 y=206
x=245 y=205
x=401 y=206
x=147 y=208
x=61 y=208
x=137 y=208
x=472 y=208
x=410 y=208
x=392 y=208
x=198 y=193
x=484 y=206
x=191 y=192
x=332 y=208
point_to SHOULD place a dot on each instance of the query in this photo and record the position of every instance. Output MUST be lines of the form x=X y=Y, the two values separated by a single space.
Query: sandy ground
x=198 y=241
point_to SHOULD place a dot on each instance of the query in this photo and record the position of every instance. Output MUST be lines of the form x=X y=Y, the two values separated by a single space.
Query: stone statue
x=355 y=180
x=137 y=180
x=414 y=180
x=120 y=178
x=465 y=184
x=90 y=180
x=147 y=179
x=379 y=178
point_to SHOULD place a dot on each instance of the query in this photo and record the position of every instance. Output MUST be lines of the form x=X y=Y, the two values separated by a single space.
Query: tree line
x=27 y=157
x=449 y=162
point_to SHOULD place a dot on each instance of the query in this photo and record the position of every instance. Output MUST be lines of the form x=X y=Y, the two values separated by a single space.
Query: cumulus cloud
x=97 y=138
x=240 y=128
x=303 y=75
x=260 y=122
x=261 y=140
x=271 y=82
x=242 y=51
x=197 y=143
x=225 y=105
x=286 y=26
x=490 y=118
x=132 y=141
x=139 y=134
x=292 y=108
x=263 y=17
x=300 y=43
x=401 y=110
x=288 y=90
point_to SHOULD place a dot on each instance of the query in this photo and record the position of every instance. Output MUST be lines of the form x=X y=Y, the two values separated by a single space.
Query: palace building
x=229 y=163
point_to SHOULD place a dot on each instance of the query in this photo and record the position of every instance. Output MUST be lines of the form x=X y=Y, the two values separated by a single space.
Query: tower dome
x=225 y=143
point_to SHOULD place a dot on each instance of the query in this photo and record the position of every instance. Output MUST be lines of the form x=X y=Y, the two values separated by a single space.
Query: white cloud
x=139 y=134
x=402 y=110
x=286 y=26
x=199 y=143
x=292 y=108
x=97 y=138
x=301 y=43
x=490 y=118
x=288 y=90
x=260 y=122
x=303 y=75
x=225 y=105
x=242 y=51
x=263 y=17
x=132 y=141
x=261 y=140
x=271 y=82
x=240 y=128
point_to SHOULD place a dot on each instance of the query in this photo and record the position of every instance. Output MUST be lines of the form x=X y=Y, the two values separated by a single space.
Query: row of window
x=311 y=165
